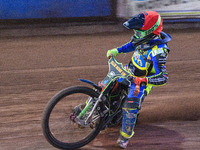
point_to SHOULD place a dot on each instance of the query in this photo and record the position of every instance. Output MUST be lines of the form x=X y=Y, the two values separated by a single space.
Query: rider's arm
x=128 y=47
x=161 y=76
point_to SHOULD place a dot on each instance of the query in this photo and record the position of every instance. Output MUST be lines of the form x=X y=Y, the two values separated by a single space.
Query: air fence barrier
x=42 y=9
x=53 y=17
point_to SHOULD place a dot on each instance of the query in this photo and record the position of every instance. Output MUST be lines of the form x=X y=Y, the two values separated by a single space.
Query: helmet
x=145 y=24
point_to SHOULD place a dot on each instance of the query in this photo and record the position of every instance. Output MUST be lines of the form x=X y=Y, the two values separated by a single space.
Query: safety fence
x=65 y=10
x=34 y=11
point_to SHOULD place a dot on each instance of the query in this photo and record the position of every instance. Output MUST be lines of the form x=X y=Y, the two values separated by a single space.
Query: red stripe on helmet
x=151 y=17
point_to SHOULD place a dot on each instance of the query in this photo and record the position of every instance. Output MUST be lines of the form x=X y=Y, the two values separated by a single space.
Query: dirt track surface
x=33 y=69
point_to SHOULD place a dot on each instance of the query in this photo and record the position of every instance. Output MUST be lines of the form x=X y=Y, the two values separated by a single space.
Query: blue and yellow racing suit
x=146 y=62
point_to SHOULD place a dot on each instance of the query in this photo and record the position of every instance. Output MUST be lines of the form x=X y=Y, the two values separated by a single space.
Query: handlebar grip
x=111 y=55
x=140 y=81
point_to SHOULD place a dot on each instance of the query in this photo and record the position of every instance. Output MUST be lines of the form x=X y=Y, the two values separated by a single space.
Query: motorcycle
x=76 y=115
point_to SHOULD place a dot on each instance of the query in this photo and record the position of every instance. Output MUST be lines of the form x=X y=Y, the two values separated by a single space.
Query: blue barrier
x=37 y=9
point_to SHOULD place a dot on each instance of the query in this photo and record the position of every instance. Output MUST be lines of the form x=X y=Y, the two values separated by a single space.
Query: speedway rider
x=150 y=51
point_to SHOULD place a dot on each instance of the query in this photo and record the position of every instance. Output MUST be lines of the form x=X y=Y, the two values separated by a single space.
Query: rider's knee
x=131 y=103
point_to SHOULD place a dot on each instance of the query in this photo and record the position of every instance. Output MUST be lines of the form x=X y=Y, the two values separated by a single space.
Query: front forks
x=91 y=117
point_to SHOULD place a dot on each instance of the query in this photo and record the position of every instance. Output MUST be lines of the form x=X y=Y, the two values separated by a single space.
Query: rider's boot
x=122 y=142
x=127 y=129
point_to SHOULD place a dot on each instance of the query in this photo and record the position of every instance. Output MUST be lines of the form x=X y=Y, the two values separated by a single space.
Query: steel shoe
x=122 y=142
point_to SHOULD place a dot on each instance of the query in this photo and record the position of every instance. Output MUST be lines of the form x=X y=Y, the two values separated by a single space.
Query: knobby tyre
x=58 y=129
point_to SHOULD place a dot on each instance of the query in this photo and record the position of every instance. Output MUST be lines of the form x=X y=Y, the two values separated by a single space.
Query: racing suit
x=146 y=62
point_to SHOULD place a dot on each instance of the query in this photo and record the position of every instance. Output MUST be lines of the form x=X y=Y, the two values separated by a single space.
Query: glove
x=112 y=51
x=138 y=80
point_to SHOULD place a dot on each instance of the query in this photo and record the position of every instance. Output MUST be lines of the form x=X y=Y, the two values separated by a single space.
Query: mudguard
x=91 y=83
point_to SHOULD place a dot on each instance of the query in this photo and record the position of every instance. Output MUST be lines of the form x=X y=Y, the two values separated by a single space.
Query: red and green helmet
x=145 y=23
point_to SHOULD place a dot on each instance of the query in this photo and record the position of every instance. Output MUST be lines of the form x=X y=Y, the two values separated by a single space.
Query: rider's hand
x=112 y=51
x=139 y=80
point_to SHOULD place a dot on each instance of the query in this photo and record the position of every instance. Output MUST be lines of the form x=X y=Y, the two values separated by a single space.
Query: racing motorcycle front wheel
x=59 y=118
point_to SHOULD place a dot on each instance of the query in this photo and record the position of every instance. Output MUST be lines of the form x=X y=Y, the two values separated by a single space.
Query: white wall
x=167 y=8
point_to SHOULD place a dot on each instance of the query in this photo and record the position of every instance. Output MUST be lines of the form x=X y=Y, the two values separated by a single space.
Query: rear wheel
x=58 y=122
